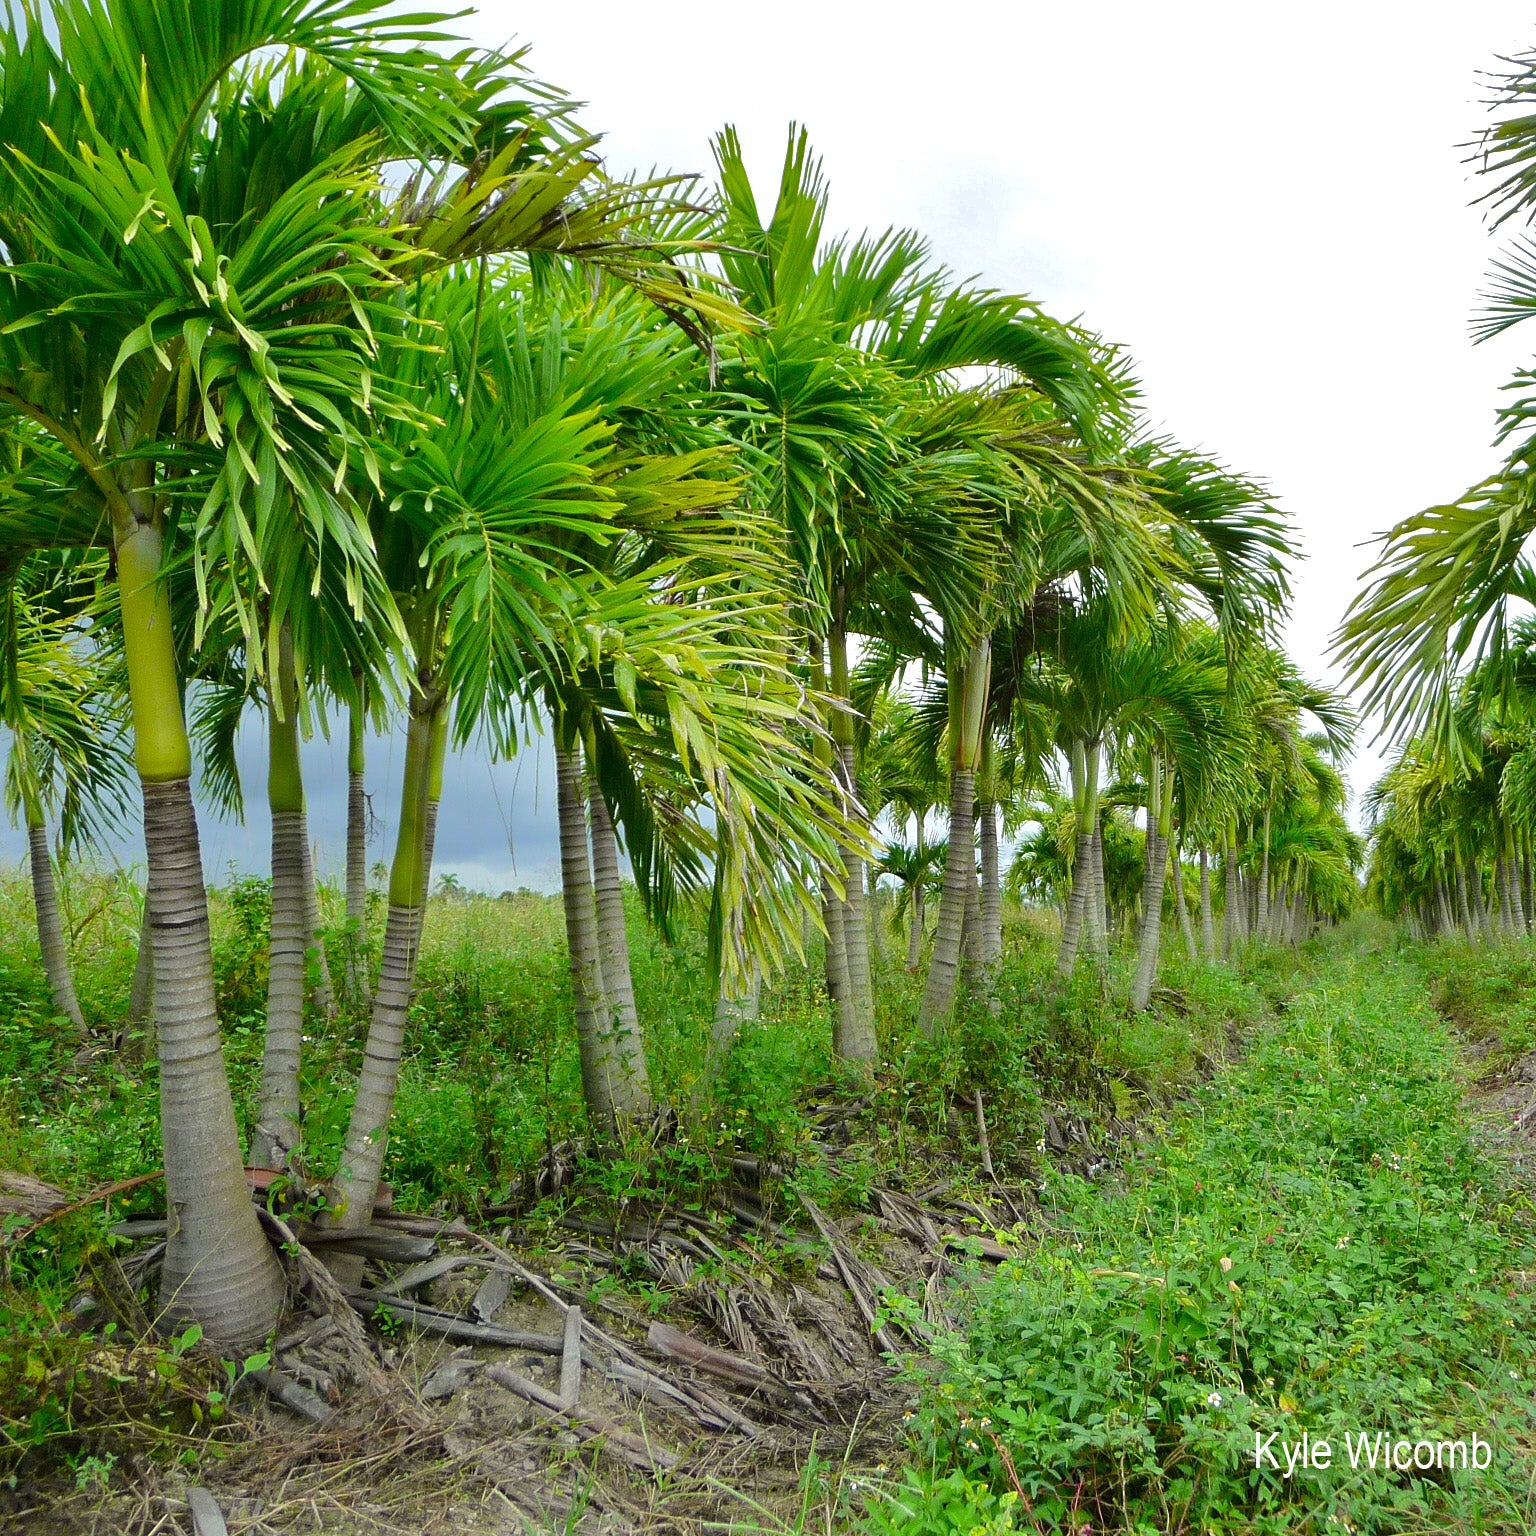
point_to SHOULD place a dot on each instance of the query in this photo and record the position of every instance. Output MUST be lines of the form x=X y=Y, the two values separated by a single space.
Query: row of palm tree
x=340 y=382
x=1454 y=816
x=1439 y=643
x=1230 y=762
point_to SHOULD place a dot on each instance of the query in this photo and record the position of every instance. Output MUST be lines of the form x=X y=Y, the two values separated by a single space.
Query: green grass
x=1313 y=1242
x=491 y=1080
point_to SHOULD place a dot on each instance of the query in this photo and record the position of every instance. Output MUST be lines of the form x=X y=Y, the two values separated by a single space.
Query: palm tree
x=183 y=330
x=917 y=872
x=58 y=700
x=161 y=315
x=886 y=473
x=1451 y=580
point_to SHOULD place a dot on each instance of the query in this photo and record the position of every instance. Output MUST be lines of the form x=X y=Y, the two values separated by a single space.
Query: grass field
x=1290 y=1226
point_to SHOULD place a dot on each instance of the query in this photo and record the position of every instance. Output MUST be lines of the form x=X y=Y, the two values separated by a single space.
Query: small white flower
x=1214 y=1399
x=1040 y=1145
x=882 y=1469
x=1077 y=1247
x=971 y=1445
x=1343 y=1242
x=1514 y=1375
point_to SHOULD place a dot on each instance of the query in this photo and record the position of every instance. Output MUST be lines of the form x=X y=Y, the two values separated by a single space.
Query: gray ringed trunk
x=609 y=1091
x=1232 y=917
x=276 y=1133
x=613 y=950
x=959 y=881
x=846 y=1032
x=357 y=1175
x=1207 y=913
x=1516 y=905
x=858 y=1041
x=1261 y=915
x=1186 y=927
x=970 y=937
x=1479 y=904
x=1098 y=896
x=1077 y=907
x=1151 y=920
x=325 y=996
x=356 y=1184
x=991 y=890
x=915 y=936
x=1463 y=910
x=219 y=1269
x=141 y=991
x=357 y=889
x=50 y=931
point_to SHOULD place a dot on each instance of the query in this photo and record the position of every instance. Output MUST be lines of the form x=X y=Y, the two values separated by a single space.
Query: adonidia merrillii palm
x=190 y=318
x=890 y=470
x=557 y=543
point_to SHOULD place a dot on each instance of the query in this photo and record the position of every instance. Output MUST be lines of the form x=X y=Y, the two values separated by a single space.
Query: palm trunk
x=1099 y=933
x=1261 y=916
x=50 y=927
x=317 y=967
x=991 y=892
x=357 y=857
x=613 y=950
x=1154 y=875
x=973 y=974
x=1083 y=765
x=859 y=1041
x=1186 y=927
x=1232 y=917
x=970 y=683
x=1151 y=936
x=919 y=903
x=219 y=1271
x=839 y=989
x=959 y=880
x=1463 y=909
x=357 y=1177
x=1299 y=935
x=614 y=1091
x=276 y=1132
x=141 y=990
x=1207 y=913
x=1076 y=918
x=1479 y=903
x=437 y=758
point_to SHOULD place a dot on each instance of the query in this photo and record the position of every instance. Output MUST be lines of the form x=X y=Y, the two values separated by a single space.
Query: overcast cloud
x=1266 y=204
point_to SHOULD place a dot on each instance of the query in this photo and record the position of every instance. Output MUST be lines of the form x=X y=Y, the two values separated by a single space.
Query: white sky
x=1266 y=204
